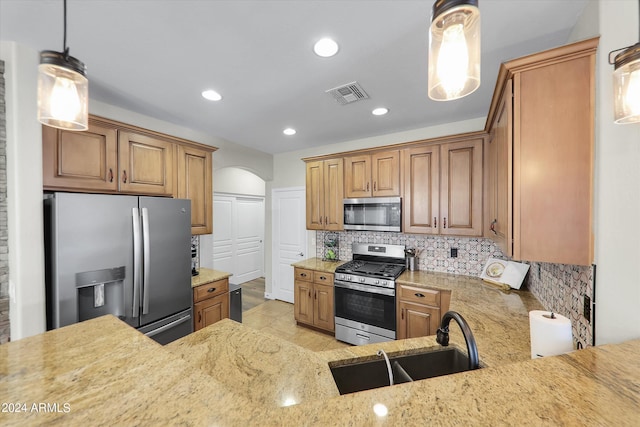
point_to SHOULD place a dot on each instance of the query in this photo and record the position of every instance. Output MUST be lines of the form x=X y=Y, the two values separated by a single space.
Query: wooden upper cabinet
x=194 y=182
x=553 y=148
x=80 y=160
x=357 y=177
x=498 y=221
x=333 y=194
x=442 y=192
x=324 y=194
x=421 y=189
x=461 y=188
x=385 y=173
x=146 y=164
x=374 y=175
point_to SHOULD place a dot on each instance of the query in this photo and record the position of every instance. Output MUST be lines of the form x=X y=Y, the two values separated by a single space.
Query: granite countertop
x=229 y=374
x=208 y=275
x=319 y=265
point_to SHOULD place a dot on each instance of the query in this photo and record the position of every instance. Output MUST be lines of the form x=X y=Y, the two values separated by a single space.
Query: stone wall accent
x=5 y=329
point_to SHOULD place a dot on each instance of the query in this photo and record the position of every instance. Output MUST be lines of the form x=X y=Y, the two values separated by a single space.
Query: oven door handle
x=365 y=288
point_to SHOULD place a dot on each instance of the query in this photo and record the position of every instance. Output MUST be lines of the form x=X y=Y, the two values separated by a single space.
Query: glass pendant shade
x=63 y=91
x=626 y=85
x=454 y=49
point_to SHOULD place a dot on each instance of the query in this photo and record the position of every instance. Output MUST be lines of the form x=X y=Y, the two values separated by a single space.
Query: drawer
x=302 y=274
x=419 y=295
x=325 y=278
x=210 y=290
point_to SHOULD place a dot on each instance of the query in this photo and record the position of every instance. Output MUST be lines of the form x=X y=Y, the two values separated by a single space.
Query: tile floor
x=276 y=318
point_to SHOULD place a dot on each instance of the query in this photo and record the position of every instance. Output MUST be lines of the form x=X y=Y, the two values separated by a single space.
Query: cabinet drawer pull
x=402 y=314
x=374 y=185
x=367 y=186
x=124 y=176
x=110 y=174
x=211 y=290
x=315 y=295
x=326 y=221
x=309 y=293
x=323 y=278
x=303 y=274
x=199 y=316
x=419 y=295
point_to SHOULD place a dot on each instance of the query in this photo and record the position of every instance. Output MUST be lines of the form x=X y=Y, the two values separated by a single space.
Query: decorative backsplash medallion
x=558 y=287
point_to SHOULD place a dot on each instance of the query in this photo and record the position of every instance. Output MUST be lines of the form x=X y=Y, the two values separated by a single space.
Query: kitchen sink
x=369 y=374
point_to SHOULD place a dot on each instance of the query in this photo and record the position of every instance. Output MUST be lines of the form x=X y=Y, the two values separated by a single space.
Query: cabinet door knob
x=110 y=174
x=402 y=314
x=315 y=295
x=492 y=227
x=326 y=220
x=445 y=222
x=367 y=186
x=124 y=176
x=374 y=185
x=211 y=290
x=435 y=222
x=199 y=316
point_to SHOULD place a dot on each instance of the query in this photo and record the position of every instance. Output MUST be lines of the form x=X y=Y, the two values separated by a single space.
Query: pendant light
x=454 y=49
x=63 y=88
x=626 y=83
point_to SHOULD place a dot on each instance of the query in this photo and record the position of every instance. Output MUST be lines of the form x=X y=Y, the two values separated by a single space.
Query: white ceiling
x=156 y=57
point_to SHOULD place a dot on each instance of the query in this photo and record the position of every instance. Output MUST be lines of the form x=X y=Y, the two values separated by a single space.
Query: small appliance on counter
x=194 y=258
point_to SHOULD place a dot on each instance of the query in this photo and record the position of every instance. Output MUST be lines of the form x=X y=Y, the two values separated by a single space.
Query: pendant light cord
x=65 y=49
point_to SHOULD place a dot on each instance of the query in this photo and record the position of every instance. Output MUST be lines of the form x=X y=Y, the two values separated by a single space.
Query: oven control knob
x=377 y=282
x=383 y=283
x=348 y=278
x=361 y=279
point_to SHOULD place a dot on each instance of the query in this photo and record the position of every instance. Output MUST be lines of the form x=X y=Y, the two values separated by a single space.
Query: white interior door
x=238 y=234
x=289 y=238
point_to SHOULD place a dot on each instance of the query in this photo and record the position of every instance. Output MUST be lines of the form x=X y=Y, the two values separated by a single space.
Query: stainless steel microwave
x=373 y=214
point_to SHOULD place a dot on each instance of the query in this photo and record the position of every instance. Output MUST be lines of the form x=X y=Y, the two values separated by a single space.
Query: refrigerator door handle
x=147 y=264
x=137 y=255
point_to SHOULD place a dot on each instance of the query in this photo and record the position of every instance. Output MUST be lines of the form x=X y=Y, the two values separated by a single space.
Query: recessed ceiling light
x=380 y=111
x=325 y=47
x=211 y=95
x=289 y=131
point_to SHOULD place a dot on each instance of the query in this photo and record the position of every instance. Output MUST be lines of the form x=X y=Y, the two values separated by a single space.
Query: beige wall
x=617 y=179
x=237 y=181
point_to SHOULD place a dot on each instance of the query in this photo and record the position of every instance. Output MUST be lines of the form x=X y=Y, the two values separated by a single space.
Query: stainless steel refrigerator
x=124 y=255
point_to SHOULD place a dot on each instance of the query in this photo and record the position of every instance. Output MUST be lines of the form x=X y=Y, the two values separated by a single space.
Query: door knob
x=301 y=254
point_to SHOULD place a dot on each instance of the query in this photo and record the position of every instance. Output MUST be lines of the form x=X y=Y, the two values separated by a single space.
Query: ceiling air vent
x=346 y=94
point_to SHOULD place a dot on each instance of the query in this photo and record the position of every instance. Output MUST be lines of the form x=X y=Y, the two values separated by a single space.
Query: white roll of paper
x=550 y=334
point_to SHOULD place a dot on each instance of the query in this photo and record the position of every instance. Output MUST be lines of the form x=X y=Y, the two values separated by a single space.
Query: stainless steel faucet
x=442 y=336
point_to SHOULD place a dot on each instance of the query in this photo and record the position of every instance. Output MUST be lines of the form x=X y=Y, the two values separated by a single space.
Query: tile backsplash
x=559 y=288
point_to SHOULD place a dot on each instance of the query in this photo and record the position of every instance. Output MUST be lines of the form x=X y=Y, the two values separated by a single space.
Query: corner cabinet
x=540 y=162
x=324 y=194
x=210 y=303
x=113 y=157
x=372 y=175
x=419 y=310
x=313 y=299
x=442 y=192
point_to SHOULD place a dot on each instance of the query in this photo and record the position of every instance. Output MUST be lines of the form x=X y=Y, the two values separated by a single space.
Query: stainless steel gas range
x=365 y=294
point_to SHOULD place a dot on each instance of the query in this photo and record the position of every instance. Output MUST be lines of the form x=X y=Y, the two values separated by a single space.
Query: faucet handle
x=442 y=336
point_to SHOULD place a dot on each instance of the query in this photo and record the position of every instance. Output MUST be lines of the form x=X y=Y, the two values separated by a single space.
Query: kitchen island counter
x=110 y=374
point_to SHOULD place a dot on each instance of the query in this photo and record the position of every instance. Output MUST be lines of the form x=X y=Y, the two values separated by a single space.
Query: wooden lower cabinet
x=210 y=303
x=419 y=310
x=313 y=299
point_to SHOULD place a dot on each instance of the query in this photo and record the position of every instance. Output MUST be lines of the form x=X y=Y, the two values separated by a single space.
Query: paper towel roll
x=549 y=335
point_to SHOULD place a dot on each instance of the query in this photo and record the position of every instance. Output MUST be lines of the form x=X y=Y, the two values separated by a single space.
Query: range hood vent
x=346 y=94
